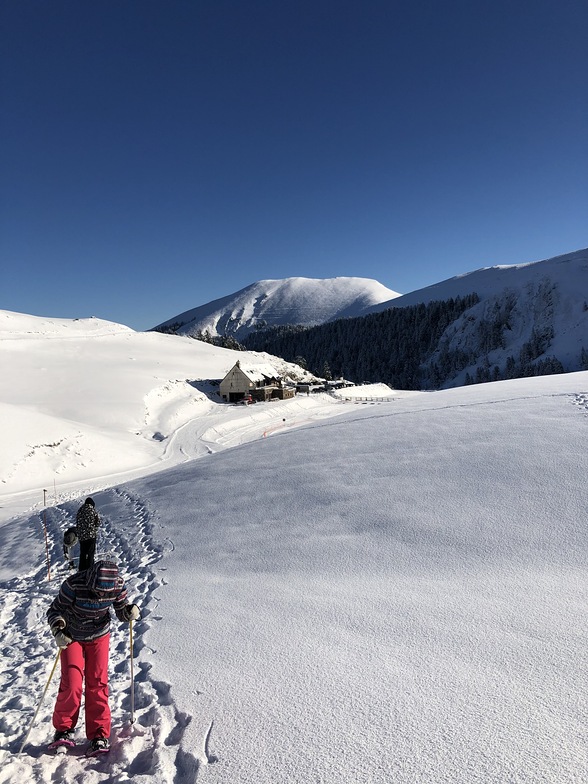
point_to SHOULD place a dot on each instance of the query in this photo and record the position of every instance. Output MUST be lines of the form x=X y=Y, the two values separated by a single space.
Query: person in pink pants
x=84 y=661
x=79 y=618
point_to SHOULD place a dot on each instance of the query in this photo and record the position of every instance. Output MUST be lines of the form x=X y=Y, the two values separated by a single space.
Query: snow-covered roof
x=259 y=372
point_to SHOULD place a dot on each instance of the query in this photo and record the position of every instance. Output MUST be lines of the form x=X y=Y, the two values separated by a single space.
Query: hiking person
x=87 y=524
x=70 y=539
x=79 y=618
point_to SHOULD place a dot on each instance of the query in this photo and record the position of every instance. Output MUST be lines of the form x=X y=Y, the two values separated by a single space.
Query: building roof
x=258 y=372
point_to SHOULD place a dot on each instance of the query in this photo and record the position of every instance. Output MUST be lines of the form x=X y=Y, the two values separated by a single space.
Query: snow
x=373 y=587
x=307 y=301
x=569 y=271
x=548 y=296
x=257 y=373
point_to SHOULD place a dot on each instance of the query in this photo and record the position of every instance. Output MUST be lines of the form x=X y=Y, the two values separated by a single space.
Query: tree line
x=392 y=346
x=413 y=347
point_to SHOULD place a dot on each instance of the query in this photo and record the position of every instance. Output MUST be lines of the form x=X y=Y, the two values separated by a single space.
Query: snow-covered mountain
x=568 y=271
x=492 y=324
x=529 y=318
x=546 y=298
x=306 y=301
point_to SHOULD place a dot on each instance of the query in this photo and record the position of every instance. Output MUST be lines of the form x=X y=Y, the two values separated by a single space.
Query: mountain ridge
x=492 y=280
x=489 y=325
x=268 y=303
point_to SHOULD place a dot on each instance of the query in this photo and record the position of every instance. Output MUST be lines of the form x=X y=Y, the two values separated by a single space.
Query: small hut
x=244 y=379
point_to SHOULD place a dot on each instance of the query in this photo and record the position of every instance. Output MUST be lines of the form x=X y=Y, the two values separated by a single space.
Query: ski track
x=150 y=748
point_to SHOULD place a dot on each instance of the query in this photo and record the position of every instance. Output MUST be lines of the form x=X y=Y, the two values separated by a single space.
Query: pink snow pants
x=89 y=661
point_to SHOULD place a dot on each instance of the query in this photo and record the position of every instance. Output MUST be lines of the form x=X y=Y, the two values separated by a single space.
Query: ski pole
x=45 y=529
x=26 y=737
x=132 y=676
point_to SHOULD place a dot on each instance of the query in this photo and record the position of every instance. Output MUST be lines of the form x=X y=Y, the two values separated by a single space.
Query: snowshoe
x=98 y=746
x=62 y=741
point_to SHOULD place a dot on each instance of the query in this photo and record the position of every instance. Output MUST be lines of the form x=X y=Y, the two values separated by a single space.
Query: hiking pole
x=45 y=529
x=26 y=737
x=132 y=676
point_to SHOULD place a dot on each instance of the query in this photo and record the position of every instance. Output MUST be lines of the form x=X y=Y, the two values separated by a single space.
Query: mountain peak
x=296 y=300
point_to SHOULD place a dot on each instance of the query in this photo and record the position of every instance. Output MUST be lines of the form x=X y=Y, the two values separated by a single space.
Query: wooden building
x=261 y=381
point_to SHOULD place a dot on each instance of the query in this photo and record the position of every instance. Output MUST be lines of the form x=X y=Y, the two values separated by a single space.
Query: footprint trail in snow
x=148 y=749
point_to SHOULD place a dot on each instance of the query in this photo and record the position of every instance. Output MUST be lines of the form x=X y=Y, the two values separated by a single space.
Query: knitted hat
x=102 y=577
x=70 y=537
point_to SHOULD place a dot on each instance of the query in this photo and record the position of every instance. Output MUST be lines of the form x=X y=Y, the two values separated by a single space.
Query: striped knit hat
x=103 y=577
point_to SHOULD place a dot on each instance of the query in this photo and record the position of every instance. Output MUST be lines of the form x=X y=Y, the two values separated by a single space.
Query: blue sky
x=156 y=155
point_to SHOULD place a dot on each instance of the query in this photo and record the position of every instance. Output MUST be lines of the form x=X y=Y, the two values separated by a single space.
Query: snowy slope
x=87 y=397
x=547 y=295
x=569 y=271
x=395 y=593
x=306 y=301
x=415 y=614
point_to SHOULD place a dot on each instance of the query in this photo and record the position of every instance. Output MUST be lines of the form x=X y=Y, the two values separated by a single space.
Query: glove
x=131 y=612
x=61 y=638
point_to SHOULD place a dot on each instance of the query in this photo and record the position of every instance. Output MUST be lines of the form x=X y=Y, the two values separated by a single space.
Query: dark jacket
x=87 y=522
x=84 y=601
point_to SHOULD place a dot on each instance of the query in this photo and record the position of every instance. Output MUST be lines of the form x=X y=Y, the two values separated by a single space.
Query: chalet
x=260 y=382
